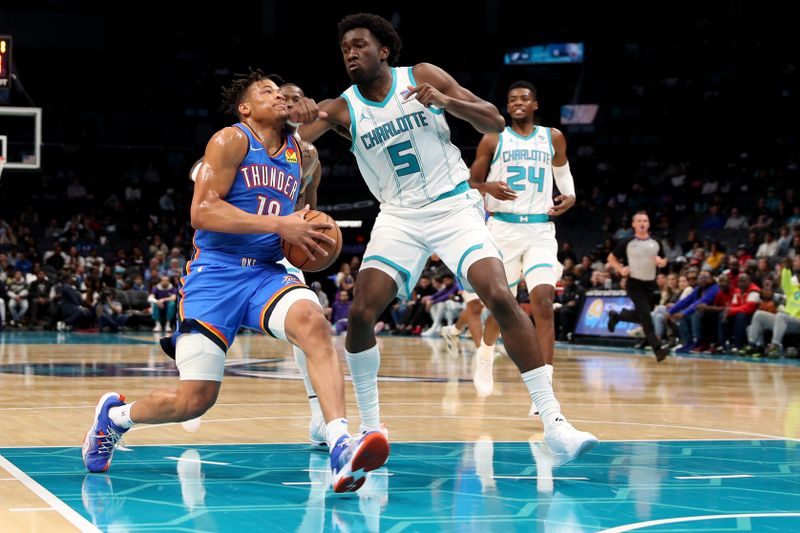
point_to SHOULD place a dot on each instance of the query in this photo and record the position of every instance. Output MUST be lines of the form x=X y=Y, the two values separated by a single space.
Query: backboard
x=21 y=137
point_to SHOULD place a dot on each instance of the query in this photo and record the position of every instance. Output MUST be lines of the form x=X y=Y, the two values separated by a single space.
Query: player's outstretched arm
x=336 y=117
x=438 y=88
x=210 y=211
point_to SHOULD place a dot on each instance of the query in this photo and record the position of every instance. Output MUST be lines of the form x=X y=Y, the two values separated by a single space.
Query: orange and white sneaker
x=353 y=457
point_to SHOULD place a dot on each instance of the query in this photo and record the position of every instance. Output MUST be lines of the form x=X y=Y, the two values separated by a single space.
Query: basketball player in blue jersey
x=307 y=196
x=515 y=170
x=243 y=205
x=401 y=141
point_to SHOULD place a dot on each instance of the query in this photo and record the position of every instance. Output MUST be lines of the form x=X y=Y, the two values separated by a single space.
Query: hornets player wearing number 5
x=515 y=170
x=401 y=141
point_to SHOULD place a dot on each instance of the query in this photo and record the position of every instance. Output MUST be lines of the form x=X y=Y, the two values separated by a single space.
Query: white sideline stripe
x=456 y=441
x=650 y=523
x=491 y=404
x=488 y=417
x=543 y=477
x=730 y=476
x=63 y=509
x=30 y=509
x=185 y=460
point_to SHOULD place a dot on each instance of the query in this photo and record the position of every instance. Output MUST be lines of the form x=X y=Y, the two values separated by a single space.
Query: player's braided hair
x=379 y=27
x=233 y=95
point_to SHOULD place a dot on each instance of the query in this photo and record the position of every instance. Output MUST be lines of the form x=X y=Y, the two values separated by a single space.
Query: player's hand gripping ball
x=298 y=257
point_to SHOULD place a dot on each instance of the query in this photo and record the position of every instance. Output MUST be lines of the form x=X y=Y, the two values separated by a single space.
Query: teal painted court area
x=71 y=337
x=735 y=485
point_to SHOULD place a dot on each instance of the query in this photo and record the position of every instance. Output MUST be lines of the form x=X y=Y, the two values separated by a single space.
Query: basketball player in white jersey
x=306 y=196
x=312 y=172
x=515 y=170
x=401 y=141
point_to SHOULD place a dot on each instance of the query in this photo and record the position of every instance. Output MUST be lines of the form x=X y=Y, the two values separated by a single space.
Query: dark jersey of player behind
x=264 y=185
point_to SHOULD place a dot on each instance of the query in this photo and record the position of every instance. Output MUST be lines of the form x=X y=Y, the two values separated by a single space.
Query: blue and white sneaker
x=102 y=438
x=353 y=457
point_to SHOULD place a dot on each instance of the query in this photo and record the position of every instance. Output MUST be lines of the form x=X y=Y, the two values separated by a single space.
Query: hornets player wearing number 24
x=243 y=204
x=515 y=170
x=401 y=141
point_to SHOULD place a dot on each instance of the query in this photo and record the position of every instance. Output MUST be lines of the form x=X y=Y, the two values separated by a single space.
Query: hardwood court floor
x=49 y=384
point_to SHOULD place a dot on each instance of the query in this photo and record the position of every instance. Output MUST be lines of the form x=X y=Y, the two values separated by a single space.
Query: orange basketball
x=298 y=257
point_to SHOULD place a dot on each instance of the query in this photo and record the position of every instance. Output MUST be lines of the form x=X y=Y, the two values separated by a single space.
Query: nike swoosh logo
x=256 y=149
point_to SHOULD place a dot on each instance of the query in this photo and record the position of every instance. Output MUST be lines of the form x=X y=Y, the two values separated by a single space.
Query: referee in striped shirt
x=644 y=256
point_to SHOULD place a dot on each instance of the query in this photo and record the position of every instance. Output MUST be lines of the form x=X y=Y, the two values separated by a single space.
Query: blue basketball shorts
x=221 y=293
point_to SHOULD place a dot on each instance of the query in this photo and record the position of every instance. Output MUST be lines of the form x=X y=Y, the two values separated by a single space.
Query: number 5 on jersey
x=408 y=162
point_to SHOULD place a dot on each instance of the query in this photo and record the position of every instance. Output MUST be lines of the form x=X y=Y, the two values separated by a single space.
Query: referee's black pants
x=641 y=294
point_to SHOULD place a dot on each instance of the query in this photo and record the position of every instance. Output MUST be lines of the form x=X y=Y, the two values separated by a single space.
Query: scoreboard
x=5 y=62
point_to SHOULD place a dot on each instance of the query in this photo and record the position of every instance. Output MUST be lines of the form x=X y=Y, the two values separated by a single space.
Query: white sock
x=121 y=415
x=334 y=430
x=541 y=391
x=456 y=330
x=364 y=371
x=486 y=351
x=549 y=372
x=313 y=401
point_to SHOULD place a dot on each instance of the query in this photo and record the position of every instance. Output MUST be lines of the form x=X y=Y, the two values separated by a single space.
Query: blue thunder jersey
x=264 y=185
x=403 y=149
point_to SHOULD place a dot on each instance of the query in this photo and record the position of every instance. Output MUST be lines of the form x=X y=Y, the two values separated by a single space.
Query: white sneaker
x=157 y=328
x=168 y=328
x=383 y=429
x=483 y=378
x=431 y=331
x=566 y=442
x=192 y=425
x=451 y=339
x=316 y=431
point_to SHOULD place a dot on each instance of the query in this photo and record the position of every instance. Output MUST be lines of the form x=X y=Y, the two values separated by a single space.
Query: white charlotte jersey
x=526 y=165
x=403 y=150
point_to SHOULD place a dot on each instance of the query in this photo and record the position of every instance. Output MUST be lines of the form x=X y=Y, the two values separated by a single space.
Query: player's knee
x=361 y=315
x=198 y=403
x=542 y=306
x=312 y=323
x=475 y=307
x=499 y=301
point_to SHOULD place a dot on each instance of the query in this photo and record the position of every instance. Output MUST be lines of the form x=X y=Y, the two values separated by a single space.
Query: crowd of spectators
x=103 y=234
